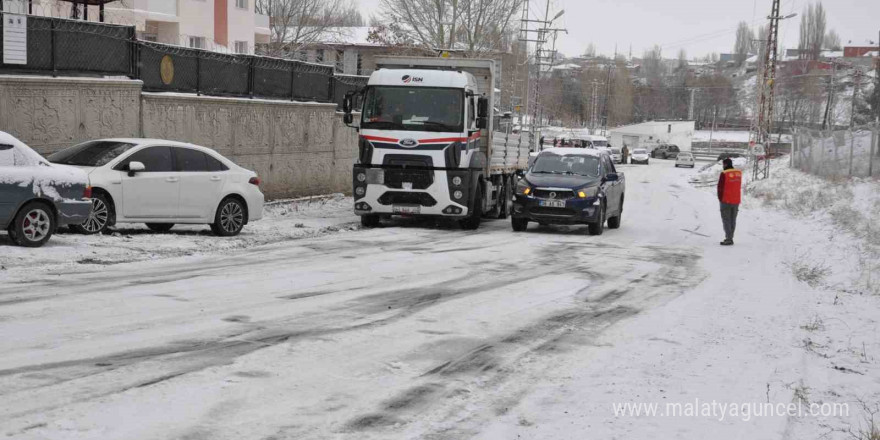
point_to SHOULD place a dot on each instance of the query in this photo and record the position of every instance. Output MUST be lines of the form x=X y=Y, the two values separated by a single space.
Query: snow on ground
x=67 y=251
x=420 y=330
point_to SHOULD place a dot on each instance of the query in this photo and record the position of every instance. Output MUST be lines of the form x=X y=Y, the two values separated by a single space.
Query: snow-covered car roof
x=22 y=154
x=562 y=151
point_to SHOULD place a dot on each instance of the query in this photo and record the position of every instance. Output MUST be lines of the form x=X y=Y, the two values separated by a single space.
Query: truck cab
x=425 y=144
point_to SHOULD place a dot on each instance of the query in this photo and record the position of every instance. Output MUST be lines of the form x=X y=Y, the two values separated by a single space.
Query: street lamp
x=783 y=18
x=558 y=14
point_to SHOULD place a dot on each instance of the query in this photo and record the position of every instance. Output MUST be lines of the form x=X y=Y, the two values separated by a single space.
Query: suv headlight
x=590 y=191
x=523 y=188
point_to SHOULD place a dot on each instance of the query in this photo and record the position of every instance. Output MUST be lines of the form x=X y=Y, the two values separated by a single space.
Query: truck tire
x=599 y=227
x=370 y=221
x=472 y=221
x=506 y=196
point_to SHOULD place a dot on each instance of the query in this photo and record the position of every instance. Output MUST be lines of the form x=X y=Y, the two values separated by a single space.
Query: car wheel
x=230 y=218
x=100 y=217
x=370 y=221
x=598 y=228
x=160 y=227
x=519 y=224
x=472 y=221
x=33 y=225
x=614 y=222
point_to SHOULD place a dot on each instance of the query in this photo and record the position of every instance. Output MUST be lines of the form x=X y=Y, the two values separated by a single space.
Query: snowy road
x=415 y=331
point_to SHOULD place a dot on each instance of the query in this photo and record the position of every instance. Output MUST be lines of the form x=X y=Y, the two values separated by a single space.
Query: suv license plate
x=406 y=209
x=552 y=203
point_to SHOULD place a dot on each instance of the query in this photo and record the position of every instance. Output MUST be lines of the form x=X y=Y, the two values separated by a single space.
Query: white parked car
x=684 y=159
x=163 y=183
x=616 y=155
x=639 y=155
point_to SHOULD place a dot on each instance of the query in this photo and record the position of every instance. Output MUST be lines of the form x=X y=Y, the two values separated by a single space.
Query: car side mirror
x=135 y=167
x=611 y=177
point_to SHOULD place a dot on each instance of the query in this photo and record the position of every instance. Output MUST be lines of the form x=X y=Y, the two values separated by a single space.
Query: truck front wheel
x=472 y=221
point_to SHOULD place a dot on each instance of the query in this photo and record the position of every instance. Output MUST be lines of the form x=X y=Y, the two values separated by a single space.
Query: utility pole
x=764 y=124
x=830 y=100
x=691 y=105
x=856 y=89
x=594 y=108
x=712 y=133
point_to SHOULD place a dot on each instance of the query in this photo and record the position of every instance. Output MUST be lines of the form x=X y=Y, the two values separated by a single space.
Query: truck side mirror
x=346 y=102
x=483 y=108
x=348 y=118
x=482 y=123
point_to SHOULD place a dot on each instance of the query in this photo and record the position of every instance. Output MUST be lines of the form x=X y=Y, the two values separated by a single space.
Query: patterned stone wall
x=297 y=148
x=53 y=113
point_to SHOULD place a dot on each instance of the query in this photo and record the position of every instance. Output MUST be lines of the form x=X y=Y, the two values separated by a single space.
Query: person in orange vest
x=729 y=194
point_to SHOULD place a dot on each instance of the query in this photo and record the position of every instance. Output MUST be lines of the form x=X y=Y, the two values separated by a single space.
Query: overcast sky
x=698 y=26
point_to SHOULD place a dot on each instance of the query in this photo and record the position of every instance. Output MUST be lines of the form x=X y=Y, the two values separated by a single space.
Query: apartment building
x=221 y=25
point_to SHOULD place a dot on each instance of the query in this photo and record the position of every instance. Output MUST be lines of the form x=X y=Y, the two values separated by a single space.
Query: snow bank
x=28 y=168
x=710 y=172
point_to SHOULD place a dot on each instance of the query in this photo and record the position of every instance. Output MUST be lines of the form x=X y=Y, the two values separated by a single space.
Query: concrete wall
x=296 y=148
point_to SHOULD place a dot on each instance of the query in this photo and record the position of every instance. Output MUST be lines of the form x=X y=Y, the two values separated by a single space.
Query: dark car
x=665 y=152
x=35 y=196
x=570 y=186
x=723 y=156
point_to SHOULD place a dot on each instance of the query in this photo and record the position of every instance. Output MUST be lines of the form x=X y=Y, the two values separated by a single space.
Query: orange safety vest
x=731 y=189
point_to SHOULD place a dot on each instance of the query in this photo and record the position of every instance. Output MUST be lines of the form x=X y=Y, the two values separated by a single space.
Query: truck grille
x=559 y=194
x=420 y=179
x=407 y=198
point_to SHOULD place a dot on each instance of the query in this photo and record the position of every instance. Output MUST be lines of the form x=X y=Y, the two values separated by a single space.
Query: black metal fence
x=77 y=48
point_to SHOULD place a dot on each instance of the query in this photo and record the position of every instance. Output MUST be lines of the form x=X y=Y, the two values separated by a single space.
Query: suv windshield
x=578 y=165
x=91 y=154
x=414 y=109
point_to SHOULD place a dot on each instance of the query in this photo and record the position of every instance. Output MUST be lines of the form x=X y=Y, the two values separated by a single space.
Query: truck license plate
x=406 y=209
x=407 y=186
x=552 y=203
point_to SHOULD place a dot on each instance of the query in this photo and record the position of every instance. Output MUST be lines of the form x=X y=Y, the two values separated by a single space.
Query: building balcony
x=152 y=10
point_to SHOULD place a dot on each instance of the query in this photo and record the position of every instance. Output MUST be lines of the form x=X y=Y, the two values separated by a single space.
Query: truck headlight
x=360 y=191
x=457 y=195
x=456 y=181
x=362 y=177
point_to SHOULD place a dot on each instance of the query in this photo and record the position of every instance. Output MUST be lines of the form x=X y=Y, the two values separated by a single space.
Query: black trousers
x=728 y=218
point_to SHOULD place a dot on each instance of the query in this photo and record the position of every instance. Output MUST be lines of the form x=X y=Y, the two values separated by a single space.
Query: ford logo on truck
x=408 y=143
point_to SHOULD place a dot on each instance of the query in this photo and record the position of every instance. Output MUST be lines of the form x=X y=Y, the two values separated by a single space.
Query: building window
x=669 y=130
x=241 y=4
x=241 y=47
x=360 y=63
x=197 y=42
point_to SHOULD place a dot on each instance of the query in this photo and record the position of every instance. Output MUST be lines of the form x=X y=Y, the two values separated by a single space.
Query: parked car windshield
x=572 y=164
x=640 y=151
x=414 y=109
x=91 y=154
x=684 y=155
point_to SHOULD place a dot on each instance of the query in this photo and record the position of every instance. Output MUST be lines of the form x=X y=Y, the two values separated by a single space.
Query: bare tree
x=744 y=37
x=812 y=32
x=297 y=23
x=832 y=41
x=478 y=25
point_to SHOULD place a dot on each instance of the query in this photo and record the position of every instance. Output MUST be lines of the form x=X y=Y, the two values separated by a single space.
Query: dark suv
x=665 y=152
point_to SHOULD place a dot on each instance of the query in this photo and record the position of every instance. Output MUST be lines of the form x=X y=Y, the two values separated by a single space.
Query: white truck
x=430 y=144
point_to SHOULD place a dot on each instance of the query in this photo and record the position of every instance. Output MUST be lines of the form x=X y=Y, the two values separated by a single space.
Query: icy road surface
x=417 y=331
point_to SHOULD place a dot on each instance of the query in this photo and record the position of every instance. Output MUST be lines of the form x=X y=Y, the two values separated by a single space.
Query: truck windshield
x=414 y=109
